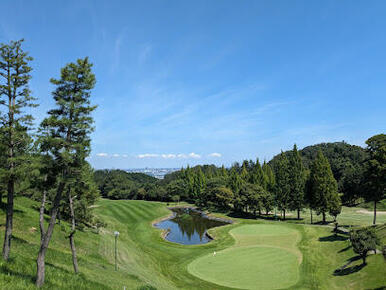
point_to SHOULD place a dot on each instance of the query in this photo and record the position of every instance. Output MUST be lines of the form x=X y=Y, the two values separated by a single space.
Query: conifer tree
x=224 y=172
x=244 y=171
x=297 y=181
x=323 y=185
x=282 y=186
x=65 y=137
x=269 y=177
x=15 y=97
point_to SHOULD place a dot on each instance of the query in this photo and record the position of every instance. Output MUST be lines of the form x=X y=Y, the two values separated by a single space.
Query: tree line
x=46 y=162
x=292 y=181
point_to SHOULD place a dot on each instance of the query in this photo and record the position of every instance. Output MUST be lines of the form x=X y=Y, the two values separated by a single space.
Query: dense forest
x=321 y=177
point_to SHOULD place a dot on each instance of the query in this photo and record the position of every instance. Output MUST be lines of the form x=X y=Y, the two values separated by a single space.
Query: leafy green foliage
x=364 y=240
x=375 y=170
x=323 y=186
x=119 y=184
x=346 y=161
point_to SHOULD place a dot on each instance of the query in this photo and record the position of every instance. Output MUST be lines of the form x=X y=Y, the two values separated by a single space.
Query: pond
x=189 y=226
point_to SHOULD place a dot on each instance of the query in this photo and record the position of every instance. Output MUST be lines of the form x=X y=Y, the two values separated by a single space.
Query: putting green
x=265 y=256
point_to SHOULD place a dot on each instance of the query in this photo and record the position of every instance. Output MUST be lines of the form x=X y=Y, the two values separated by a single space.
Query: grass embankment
x=145 y=259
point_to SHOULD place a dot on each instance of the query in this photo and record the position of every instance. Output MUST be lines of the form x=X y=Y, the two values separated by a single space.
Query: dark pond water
x=188 y=226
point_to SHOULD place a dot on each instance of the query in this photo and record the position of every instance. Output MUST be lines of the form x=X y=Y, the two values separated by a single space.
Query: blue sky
x=189 y=82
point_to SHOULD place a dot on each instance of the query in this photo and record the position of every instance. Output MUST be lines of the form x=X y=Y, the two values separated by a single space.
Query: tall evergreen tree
x=65 y=136
x=282 y=186
x=375 y=171
x=297 y=181
x=15 y=96
x=323 y=185
x=269 y=177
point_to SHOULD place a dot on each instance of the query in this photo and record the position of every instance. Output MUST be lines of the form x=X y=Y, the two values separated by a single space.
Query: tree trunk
x=311 y=215
x=46 y=236
x=72 y=241
x=375 y=213
x=40 y=263
x=364 y=258
x=284 y=214
x=324 y=217
x=9 y=220
x=298 y=214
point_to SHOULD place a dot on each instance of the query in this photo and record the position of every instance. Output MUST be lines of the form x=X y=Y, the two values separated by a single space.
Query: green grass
x=264 y=257
x=146 y=260
x=350 y=216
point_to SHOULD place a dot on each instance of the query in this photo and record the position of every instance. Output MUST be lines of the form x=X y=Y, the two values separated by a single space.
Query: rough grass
x=145 y=260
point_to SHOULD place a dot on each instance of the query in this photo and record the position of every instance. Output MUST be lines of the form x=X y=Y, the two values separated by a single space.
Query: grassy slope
x=146 y=259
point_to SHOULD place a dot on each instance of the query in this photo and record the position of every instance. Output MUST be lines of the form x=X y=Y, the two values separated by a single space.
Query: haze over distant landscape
x=212 y=82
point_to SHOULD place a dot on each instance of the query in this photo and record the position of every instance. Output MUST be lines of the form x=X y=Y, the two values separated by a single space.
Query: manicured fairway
x=265 y=256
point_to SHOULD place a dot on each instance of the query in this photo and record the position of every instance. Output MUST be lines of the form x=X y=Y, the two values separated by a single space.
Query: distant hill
x=346 y=161
x=118 y=184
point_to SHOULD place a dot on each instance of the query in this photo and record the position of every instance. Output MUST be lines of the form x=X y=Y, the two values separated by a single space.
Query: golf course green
x=265 y=256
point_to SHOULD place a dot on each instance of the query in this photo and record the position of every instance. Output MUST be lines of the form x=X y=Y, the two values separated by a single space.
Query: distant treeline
x=321 y=177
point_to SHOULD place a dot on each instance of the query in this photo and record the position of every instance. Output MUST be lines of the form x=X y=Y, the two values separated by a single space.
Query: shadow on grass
x=345 y=270
x=345 y=249
x=333 y=238
x=22 y=275
x=349 y=270
x=3 y=207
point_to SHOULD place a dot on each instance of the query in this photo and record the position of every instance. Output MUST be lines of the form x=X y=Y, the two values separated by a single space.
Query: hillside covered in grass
x=145 y=260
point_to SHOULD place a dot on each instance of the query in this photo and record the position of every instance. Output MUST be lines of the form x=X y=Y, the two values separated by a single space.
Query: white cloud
x=116 y=155
x=194 y=155
x=147 y=155
x=168 y=156
x=125 y=155
x=102 y=154
x=215 y=154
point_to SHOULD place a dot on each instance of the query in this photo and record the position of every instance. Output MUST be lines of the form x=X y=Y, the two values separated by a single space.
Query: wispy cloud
x=102 y=154
x=194 y=155
x=215 y=154
x=191 y=155
x=144 y=54
x=147 y=155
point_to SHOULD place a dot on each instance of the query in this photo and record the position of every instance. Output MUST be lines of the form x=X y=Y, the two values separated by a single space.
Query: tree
x=15 y=96
x=282 y=186
x=65 y=137
x=364 y=240
x=335 y=206
x=323 y=185
x=222 y=196
x=297 y=181
x=375 y=171
x=269 y=177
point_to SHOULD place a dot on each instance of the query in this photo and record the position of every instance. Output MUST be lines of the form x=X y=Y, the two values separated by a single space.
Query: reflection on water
x=188 y=226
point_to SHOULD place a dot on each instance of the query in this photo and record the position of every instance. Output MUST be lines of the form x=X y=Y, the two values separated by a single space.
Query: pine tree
x=65 y=135
x=269 y=177
x=224 y=172
x=15 y=96
x=323 y=185
x=297 y=181
x=282 y=186
x=244 y=171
